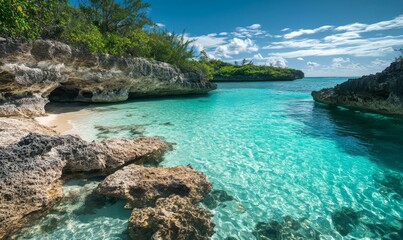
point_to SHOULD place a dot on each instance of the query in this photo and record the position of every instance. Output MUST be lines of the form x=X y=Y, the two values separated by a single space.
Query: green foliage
x=220 y=69
x=195 y=66
x=26 y=19
x=101 y=26
x=112 y=16
x=170 y=47
x=78 y=30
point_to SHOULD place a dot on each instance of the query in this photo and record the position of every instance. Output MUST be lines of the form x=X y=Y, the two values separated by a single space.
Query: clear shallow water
x=271 y=148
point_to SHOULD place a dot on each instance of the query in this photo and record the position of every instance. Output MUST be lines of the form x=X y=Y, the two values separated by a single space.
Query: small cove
x=268 y=146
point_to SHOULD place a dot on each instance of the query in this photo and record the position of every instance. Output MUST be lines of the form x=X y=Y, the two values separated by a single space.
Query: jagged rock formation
x=143 y=186
x=380 y=93
x=30 y=170
x=171 y=218
x=32 y=72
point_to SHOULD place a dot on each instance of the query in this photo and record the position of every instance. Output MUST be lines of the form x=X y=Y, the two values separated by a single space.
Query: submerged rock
x=216 y=197
x=143 y=186
x=30 y=170
x=31 y=72
x=135 y=130
x=381 y=93
x=289 y=228
x=390 y=183
x=171 y=218
x=345 y=220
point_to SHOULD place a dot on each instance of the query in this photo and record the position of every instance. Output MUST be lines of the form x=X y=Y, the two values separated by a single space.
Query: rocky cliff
x=380 y=93
x=33 y=72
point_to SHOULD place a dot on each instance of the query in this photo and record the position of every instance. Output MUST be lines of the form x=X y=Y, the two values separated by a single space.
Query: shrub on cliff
x=27 y=19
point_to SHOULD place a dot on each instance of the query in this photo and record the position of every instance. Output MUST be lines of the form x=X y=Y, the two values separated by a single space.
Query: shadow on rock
x=131 y=130
x=216 y=198
x=390 y=183
x=345 y=220
x=288 y=228
x=361 y=134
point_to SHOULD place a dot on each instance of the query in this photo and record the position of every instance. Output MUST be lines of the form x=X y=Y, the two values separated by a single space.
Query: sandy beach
x=58 y=117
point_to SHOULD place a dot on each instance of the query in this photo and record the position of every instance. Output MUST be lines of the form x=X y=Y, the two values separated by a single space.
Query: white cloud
x=285 y=29
x=374 y=47
x=383 y=25
x=205 y=42
x=236 y=46
x=307 y=31
x=276 y=61
x=251 y=31
x=338 y=62
x=254 y=26
x=160 y=25
x=258 y=56
x=223 y=34
x=313 y=64
x=380 y=62
x=301 y=59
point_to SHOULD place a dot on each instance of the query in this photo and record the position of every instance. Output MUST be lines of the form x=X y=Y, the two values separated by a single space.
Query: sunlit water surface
x=266 y=144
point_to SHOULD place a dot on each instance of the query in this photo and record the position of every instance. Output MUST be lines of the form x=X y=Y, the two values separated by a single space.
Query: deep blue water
x=270 y=147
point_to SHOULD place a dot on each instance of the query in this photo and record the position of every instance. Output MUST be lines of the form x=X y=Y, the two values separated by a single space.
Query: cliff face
x=31 y=73
x=381 y=93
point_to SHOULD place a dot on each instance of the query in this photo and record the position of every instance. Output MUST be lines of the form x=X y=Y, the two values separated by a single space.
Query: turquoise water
x=273 y=150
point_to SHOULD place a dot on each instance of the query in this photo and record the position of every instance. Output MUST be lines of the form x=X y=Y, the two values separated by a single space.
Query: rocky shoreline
x=34 y=72
x=379 y=93
x=34 y=159
x=32 y=168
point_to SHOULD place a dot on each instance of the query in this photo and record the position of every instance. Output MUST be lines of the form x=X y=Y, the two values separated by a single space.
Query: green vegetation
x=247 y=71
x=120 y=28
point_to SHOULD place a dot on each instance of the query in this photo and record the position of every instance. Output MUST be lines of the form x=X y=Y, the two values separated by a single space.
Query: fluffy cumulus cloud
x=228 y=44
x=301 y=59
x=276 y=61
x=236 y=46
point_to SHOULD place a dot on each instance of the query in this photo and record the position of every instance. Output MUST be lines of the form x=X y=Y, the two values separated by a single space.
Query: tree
x=112 y=16
x=26 y=19
x=203 y=57
x=244 y=62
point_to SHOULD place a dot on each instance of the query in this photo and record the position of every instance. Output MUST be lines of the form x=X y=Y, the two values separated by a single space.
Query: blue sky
x=320 y=37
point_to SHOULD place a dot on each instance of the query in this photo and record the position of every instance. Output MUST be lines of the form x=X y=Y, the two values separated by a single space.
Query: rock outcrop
x=33 y=72
x=30 y=170
x=380 y=93
x=13 y=129
x=171 y=218
x=143 y=186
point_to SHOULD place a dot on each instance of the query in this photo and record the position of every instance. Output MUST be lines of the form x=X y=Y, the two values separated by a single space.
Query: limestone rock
x=143 y=186
x=380 y=93
x=13 y=129
x=33 y=72
x=30 y=170
x=171 y=218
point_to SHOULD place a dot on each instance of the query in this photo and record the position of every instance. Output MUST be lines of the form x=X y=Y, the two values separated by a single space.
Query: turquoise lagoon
x=266 y=144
